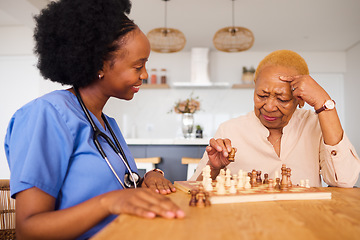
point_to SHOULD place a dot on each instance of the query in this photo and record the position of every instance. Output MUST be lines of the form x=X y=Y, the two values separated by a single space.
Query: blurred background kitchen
x=325 y=32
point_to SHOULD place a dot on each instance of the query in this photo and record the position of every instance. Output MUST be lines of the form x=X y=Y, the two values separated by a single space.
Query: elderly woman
x=311 y=143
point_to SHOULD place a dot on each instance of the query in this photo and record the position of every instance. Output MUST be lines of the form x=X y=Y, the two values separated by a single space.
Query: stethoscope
x=131 y=179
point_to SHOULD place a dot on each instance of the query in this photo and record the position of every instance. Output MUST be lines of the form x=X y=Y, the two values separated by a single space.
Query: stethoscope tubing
x=117 y=148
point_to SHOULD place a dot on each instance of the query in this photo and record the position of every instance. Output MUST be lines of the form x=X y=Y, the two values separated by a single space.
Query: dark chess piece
x=258 y=178
x=207 y=200
x=231 y=156
x=200 y=199
x=277 y=185
x=284 y=182
x=193 y=200
x=266 y=178
x=253 y=179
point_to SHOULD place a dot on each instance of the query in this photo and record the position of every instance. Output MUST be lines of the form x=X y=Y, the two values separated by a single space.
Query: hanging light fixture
x=166 y=40
x=233 y=39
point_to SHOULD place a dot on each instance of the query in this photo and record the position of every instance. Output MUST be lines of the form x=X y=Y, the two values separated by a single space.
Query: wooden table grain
x=336 y=218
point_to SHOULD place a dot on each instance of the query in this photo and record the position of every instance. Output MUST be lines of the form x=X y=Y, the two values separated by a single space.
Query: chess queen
x=311 y=142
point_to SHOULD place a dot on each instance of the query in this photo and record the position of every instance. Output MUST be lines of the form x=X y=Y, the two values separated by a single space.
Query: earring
x=100 y=77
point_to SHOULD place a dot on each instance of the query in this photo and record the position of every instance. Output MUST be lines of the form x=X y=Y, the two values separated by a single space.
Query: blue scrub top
x=49 y=145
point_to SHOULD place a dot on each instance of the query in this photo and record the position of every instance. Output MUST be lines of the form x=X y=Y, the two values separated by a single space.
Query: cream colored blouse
x=302 y=149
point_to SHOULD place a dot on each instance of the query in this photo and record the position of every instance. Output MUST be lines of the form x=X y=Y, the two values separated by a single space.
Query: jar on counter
x=153 y=76
x=163 y=76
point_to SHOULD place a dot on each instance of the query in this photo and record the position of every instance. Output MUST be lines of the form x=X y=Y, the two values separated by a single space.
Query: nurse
x=64 y=188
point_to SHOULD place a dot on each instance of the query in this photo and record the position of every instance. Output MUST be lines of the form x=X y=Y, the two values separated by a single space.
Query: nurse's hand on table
x=156 y=182
x=141 y=202
x=218 y=152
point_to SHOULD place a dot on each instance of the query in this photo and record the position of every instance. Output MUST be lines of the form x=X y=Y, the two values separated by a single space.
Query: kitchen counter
x=171 y=151
x=167 y=141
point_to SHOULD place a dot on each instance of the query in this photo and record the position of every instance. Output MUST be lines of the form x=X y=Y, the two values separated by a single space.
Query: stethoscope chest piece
x=130 y=182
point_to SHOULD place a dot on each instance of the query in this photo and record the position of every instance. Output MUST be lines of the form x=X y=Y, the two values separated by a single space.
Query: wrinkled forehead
x=269 y=80
x=272 y=73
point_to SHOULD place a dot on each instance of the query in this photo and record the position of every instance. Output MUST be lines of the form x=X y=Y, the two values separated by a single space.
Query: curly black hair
x=74 y=38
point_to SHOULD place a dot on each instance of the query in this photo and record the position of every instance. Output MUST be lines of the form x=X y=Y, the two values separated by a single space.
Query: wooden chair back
x=7 y=211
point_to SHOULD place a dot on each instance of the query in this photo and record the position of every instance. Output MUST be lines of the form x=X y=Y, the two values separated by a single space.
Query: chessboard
x=257 y=194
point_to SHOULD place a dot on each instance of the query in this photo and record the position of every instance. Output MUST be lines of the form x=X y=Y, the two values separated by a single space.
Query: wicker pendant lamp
x=166 y=40
x=233 y=39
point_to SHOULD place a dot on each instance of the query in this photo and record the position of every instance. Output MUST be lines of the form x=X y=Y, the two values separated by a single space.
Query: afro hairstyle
x=73 y=38
x=284 y=58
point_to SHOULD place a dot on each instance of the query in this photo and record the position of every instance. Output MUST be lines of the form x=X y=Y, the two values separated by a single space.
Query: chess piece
x=288 y=173
x=258 y=178
x=220 y=185
x=200 y=199
x=266 y=179
x=302 y=183
x=241 y=173
x=307 y=183
x=253 y=178
x=240 y=182
x=231 y=156
x=221 y=189
x=284 y=182
x=222 y=172
x=218 y=181
x=232 y=187
x=276 y=175
x=192 y=202
x=247 y=183
x=277 y=185
x=228 y=178
x=207 y=199
x=270 y=185
x=208 y=187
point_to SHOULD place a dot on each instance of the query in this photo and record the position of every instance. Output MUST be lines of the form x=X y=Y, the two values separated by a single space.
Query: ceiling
x=300 y=25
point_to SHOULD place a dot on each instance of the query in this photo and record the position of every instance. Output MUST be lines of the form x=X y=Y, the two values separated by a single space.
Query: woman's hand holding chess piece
x=220 y=153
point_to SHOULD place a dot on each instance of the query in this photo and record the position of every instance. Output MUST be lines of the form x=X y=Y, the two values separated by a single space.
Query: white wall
x=352 y=88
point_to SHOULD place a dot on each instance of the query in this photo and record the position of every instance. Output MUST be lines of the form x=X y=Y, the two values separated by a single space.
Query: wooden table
x=338 y=218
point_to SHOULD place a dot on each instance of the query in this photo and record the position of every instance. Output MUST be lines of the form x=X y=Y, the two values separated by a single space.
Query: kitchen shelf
x=243 y=85
x=201 y=85
x=154 y=86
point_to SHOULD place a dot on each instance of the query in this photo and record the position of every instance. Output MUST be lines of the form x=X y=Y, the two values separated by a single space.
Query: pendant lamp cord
x=233 y=15
x=165 y=17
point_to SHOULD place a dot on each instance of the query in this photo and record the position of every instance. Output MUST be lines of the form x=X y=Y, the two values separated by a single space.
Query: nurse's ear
x=101 y=74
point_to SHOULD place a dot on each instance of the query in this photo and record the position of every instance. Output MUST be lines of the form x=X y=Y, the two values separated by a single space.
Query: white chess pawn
x=235 y=177
x=208 y=187
x=232 y=187
x=228 y=178
x=221 y=188
x=240 y=173
x=307 y=183
x=207 y=170
x=302 y=183
x=240 y=182
x=247 y=183
x=218 y=181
